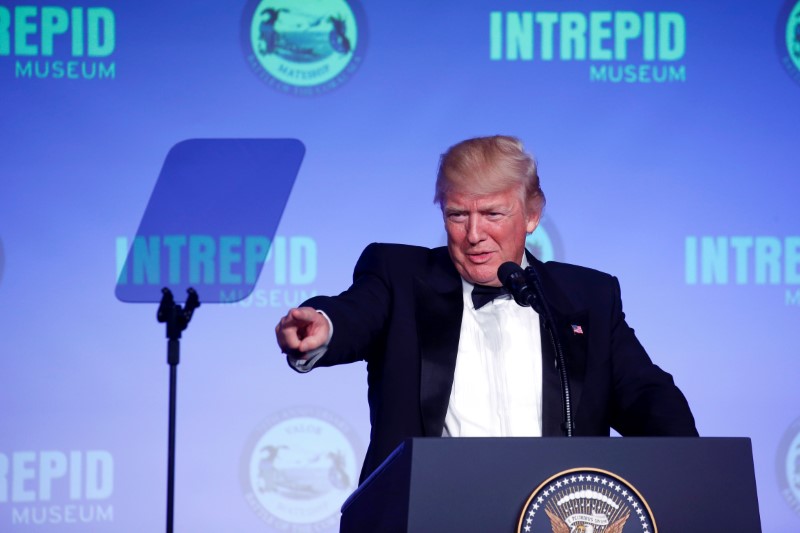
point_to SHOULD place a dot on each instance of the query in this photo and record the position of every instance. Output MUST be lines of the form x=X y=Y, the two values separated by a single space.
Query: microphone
x=513 y=279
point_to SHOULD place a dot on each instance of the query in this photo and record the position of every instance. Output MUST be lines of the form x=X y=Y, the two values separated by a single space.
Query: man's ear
x=532 y=222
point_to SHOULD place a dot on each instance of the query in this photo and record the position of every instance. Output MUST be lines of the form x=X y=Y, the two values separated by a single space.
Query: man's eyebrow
x=496 y=207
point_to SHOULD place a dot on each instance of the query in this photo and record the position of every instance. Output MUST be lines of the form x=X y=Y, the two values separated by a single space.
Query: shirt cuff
x=306 y=362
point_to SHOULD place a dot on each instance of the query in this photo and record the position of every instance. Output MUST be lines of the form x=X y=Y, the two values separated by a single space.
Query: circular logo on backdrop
x=788 y=38
x=545 y=243
x=586 y=500
x=304 y=47
x=788 y=466
x=298 y=468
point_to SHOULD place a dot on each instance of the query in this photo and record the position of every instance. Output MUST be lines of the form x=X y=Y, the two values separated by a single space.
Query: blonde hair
x=487 y=165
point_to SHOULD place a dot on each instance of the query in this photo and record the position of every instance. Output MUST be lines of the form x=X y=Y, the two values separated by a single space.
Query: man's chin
x=484 y=276
x=481 y=274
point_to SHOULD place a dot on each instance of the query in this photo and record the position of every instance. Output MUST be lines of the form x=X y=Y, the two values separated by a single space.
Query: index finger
x=302 y=315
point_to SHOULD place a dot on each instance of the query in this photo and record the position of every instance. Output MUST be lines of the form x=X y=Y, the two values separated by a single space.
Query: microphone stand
x=539 y=303
x=176 y=318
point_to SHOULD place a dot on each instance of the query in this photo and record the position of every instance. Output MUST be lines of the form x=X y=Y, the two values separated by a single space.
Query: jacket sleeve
x=360 y=313
x=646 y=401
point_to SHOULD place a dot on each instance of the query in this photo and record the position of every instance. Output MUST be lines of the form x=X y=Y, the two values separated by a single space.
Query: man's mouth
x=480 y=257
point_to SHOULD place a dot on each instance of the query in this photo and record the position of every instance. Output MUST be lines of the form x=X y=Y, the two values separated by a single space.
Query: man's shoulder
x=575 y=272
x=582 y=286
x=405 y=261
x=405 y=253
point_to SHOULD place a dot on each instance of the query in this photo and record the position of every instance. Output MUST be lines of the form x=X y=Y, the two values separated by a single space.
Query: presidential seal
x=787 y=37
x=788 y=466
x=586 y=500
x=304 y=47
x=298 y=467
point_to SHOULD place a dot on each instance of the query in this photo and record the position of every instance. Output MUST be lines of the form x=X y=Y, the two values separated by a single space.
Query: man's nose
x=475 y=232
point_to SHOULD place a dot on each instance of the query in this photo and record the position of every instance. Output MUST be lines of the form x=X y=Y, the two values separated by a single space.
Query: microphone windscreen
x=506 y=270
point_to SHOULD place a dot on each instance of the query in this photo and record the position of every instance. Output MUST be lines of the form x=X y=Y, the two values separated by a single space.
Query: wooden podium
x=690 y=485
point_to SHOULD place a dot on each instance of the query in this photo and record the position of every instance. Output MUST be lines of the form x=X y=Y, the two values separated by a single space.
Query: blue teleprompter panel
x=211 y=219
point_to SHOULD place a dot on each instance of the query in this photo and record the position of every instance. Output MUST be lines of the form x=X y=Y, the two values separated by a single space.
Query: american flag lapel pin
x=577 y=330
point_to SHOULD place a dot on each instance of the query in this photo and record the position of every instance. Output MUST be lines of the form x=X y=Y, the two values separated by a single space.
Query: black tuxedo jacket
x=402 y=315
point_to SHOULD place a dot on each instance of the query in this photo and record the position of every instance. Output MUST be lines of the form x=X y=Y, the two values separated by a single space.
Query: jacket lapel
x=552 y=411
x=573 y=343
x=439 y=307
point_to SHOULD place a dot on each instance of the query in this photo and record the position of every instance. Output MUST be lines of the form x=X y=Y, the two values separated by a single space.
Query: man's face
x=485 y=231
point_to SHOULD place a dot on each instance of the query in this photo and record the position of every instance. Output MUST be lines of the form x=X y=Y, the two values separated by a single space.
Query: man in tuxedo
x=449 y=354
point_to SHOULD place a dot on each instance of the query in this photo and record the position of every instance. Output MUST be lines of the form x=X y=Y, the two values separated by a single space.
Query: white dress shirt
x=497 y=387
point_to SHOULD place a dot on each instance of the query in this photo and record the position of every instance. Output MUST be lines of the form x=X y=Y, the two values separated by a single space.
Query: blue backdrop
x=667 y=139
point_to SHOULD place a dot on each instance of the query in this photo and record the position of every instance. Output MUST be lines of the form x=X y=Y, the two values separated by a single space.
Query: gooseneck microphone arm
x=566 y=398
x=526 y=288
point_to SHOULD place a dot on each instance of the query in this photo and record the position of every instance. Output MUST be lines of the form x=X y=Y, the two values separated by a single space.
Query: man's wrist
x=305 y=362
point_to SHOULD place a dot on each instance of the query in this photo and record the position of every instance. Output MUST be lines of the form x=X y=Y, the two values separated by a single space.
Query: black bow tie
x=483 y=294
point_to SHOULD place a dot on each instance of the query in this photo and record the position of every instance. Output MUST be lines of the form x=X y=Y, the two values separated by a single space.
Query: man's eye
x=455 y=216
